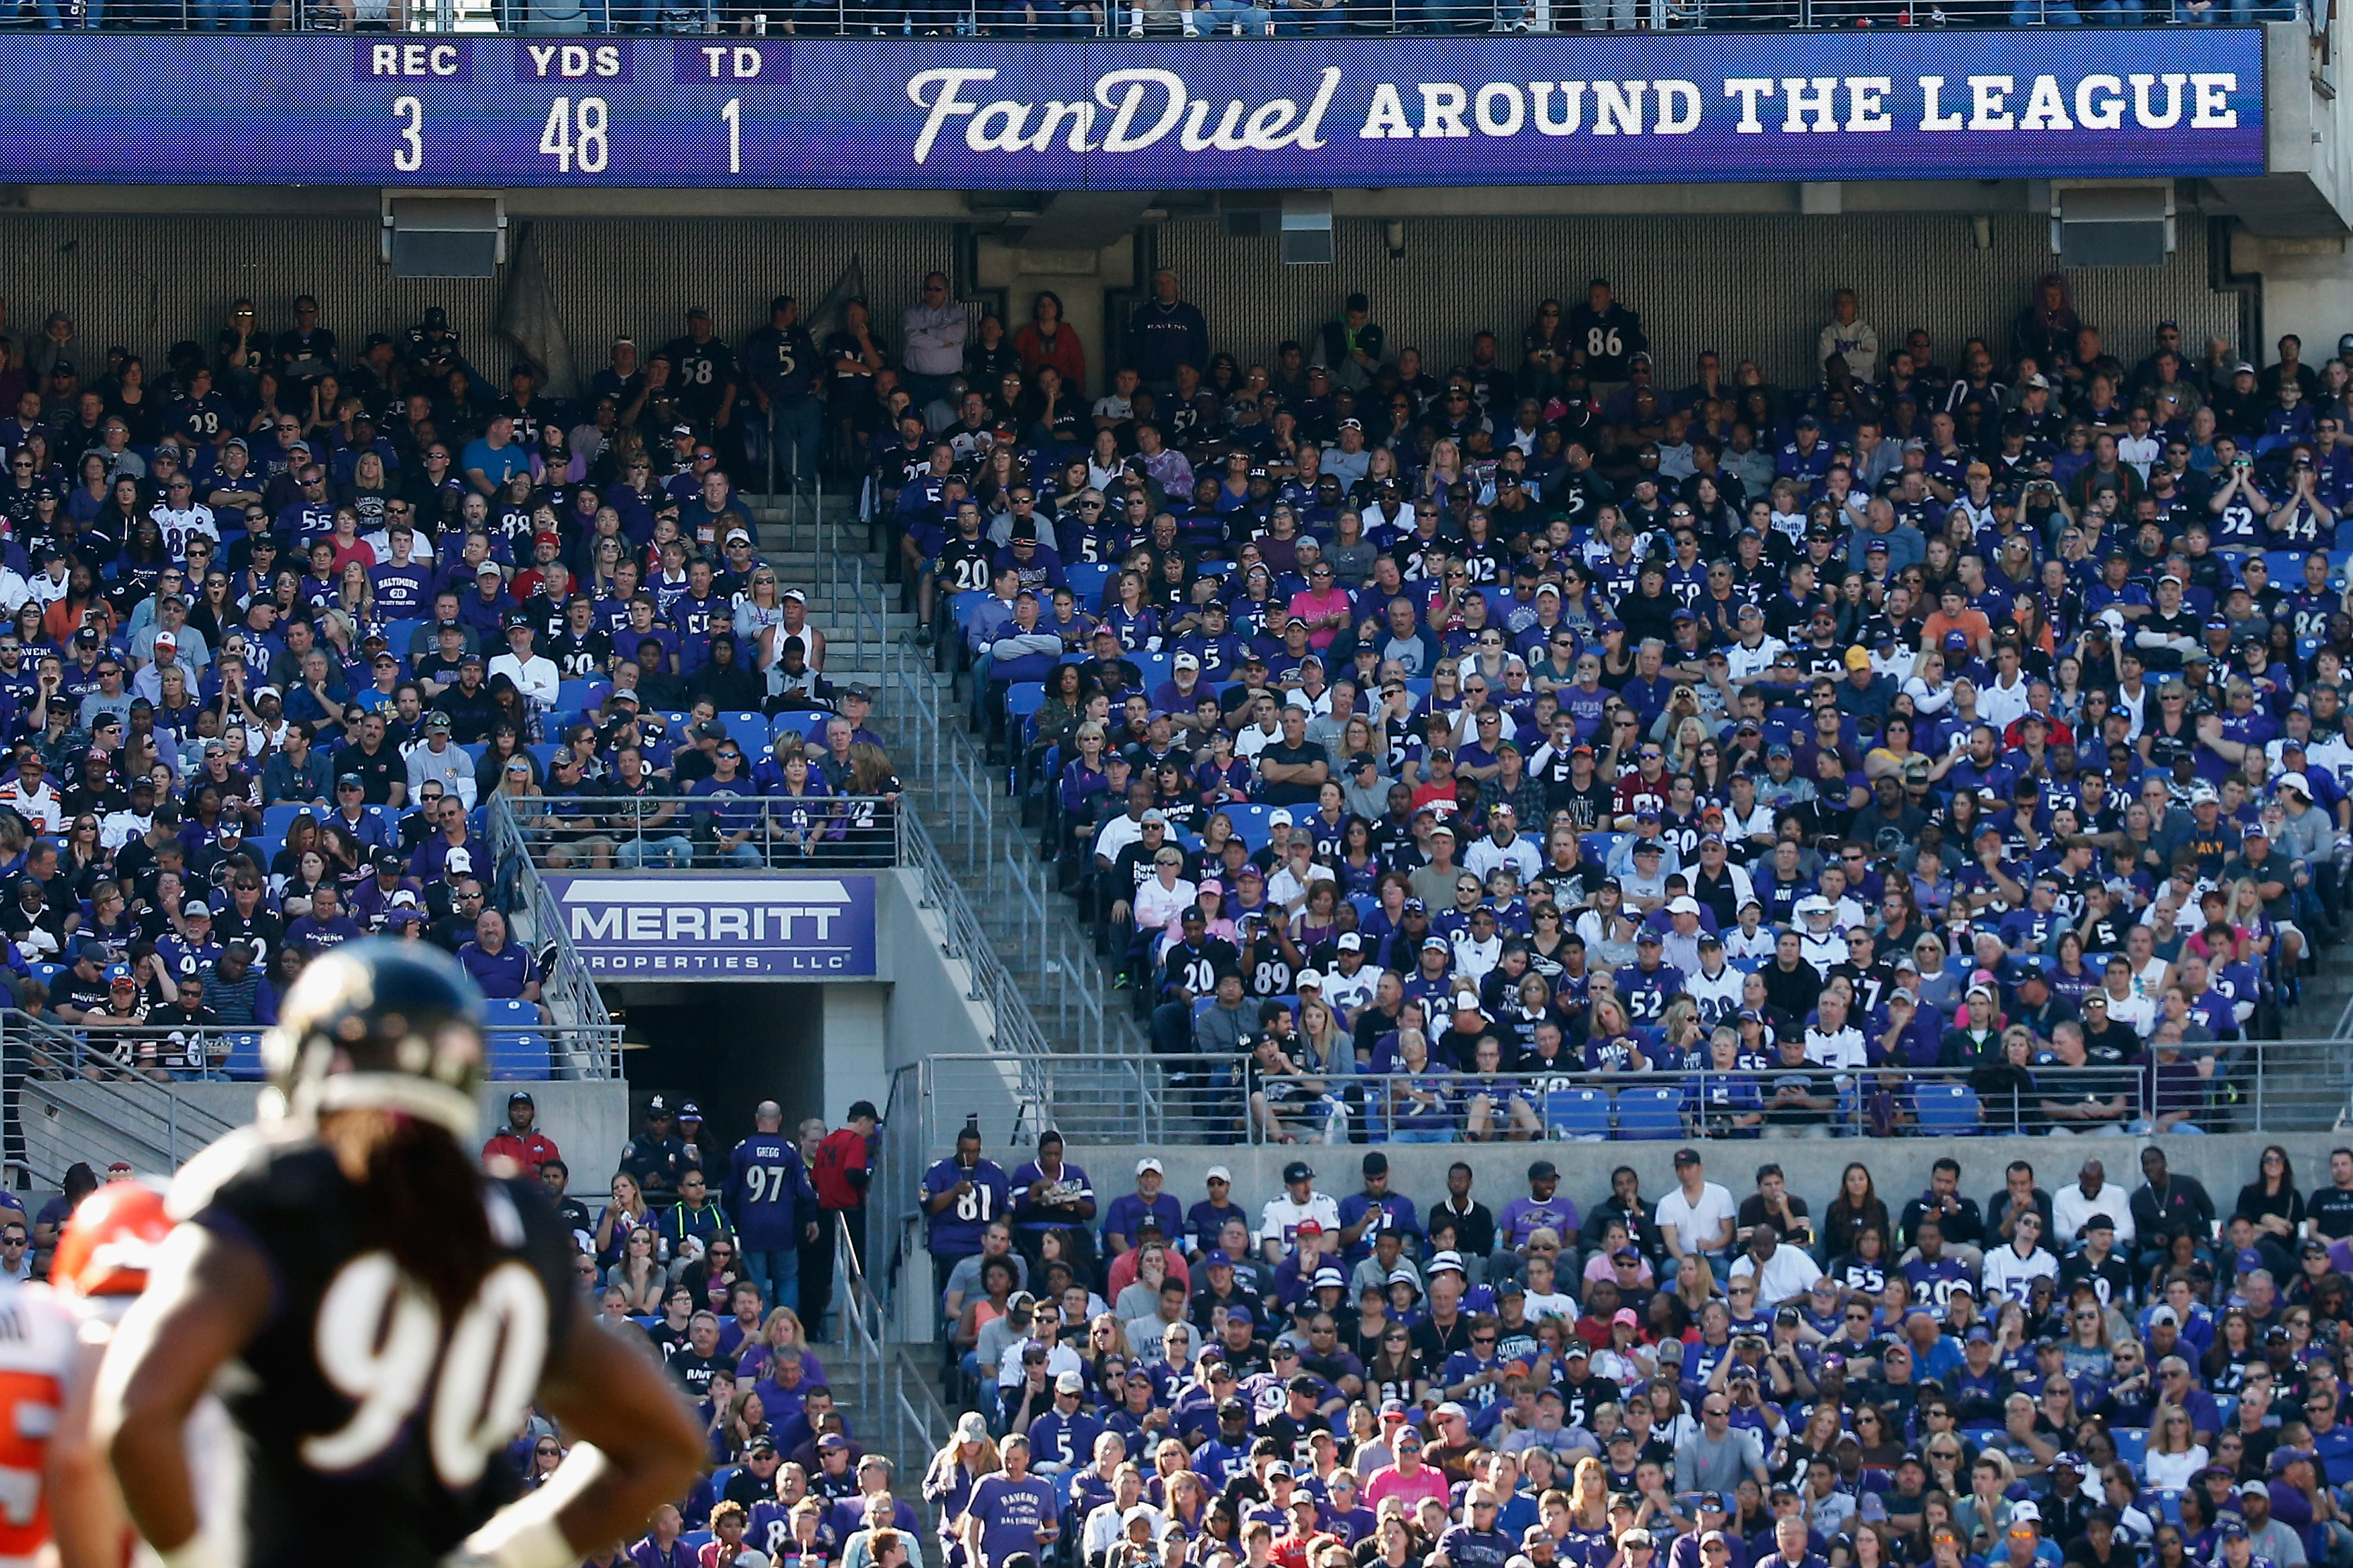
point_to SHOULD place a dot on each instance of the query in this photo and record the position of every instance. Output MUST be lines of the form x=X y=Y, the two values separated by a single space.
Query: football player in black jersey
x=391 y=1312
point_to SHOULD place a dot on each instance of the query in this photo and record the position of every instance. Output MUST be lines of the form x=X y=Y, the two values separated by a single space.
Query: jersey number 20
x=378 y=1340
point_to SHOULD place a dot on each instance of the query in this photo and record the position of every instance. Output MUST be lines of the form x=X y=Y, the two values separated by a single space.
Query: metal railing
x=933 y=752
x=164 y=1054
x=2256 y=1087
x=967 y=942
x=564 y=983
x=591 y=832
x=115 y=1115
x=904 y=1418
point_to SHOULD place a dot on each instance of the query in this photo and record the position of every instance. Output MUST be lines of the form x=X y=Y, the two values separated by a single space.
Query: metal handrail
x=113 y=1054
x=912 y=1424
x=141 y=1121
x=564 y=981
x=2256 y=1086
x=821 y=833
x=1015 y=1027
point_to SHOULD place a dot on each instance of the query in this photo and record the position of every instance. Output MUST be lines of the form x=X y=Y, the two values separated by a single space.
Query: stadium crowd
x=281 y=622
x=2095 y=1373
x=1978 y=708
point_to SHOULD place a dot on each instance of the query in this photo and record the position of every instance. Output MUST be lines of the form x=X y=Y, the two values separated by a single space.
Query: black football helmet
x=391 y=1024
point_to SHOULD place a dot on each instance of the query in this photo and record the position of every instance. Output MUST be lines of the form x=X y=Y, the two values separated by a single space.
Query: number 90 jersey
x=372 y=1420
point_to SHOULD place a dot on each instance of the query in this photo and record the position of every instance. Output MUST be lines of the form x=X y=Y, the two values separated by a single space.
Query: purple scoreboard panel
x=975 y=114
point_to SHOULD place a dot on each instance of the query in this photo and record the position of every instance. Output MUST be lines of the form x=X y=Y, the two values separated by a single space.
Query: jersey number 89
x=377 y=1341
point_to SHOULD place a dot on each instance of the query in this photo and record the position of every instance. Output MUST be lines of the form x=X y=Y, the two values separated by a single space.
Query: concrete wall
x=588 y=1122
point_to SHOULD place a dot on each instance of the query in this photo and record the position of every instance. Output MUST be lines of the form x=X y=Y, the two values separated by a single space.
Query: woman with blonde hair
x=2175 y=1455
x=782 y=1334
x=969 y=1453
x=1589 y=1495
x=1334 y=1050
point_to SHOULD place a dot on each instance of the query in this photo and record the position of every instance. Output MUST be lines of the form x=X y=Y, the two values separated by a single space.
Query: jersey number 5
x=377 y=1339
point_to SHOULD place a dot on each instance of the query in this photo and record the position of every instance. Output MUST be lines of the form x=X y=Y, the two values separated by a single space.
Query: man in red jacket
x=522 y=1141
x=840 y=1173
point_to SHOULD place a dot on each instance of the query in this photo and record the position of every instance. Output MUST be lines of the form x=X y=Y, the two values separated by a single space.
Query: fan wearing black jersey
x=385 y=1311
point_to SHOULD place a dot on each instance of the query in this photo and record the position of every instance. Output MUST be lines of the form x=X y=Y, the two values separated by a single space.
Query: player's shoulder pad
x=280 y=1162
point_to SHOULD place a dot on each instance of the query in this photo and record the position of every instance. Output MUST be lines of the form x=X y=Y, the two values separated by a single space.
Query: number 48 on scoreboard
x=575 y=136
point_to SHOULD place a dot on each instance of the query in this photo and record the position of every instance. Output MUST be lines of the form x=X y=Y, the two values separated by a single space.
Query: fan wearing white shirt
x=1696 y=1216
x=2010 y=1271
x=1783 y=1274
x=1832 y=1041
x=1279 y=1221
x=1717 y=993
x=534 y=675
x=1751 y=937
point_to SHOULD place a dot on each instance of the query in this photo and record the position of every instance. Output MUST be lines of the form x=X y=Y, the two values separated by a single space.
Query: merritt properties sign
x=719 y=925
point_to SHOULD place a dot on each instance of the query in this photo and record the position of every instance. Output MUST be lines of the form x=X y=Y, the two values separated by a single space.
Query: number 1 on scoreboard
x=734 y=115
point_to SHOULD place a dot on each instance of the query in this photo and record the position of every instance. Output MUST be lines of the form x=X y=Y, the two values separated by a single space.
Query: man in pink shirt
x=1322 y=604
x=1407 y=1479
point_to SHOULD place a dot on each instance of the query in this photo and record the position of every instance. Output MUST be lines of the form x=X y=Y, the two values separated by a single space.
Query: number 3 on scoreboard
x=409 y=156
x=576 y=134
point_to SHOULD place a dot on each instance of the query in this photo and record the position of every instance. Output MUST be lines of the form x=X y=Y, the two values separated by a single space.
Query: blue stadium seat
x=2132 y=1444
x=1088 y=579
x=1650 y=1113
x=276 y=819
x=1022 y=700
x=1248 y=818
x=1572 y=1112
x=543 y=752
x=749 y=731
x=579 y=695
x=964 y=604
x=807 y=722
x=1947 y=1109
x=1157 y=667
x=397 y=635
x=519 y=1055
x=243 y=1062
x=1599 y=847
x=2287 y=568
x=474 y=750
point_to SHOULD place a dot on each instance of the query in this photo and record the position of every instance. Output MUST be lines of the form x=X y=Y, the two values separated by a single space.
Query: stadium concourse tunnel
x=727 y=1046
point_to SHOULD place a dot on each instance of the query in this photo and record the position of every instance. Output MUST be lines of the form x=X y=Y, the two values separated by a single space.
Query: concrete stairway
x=961 y=798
